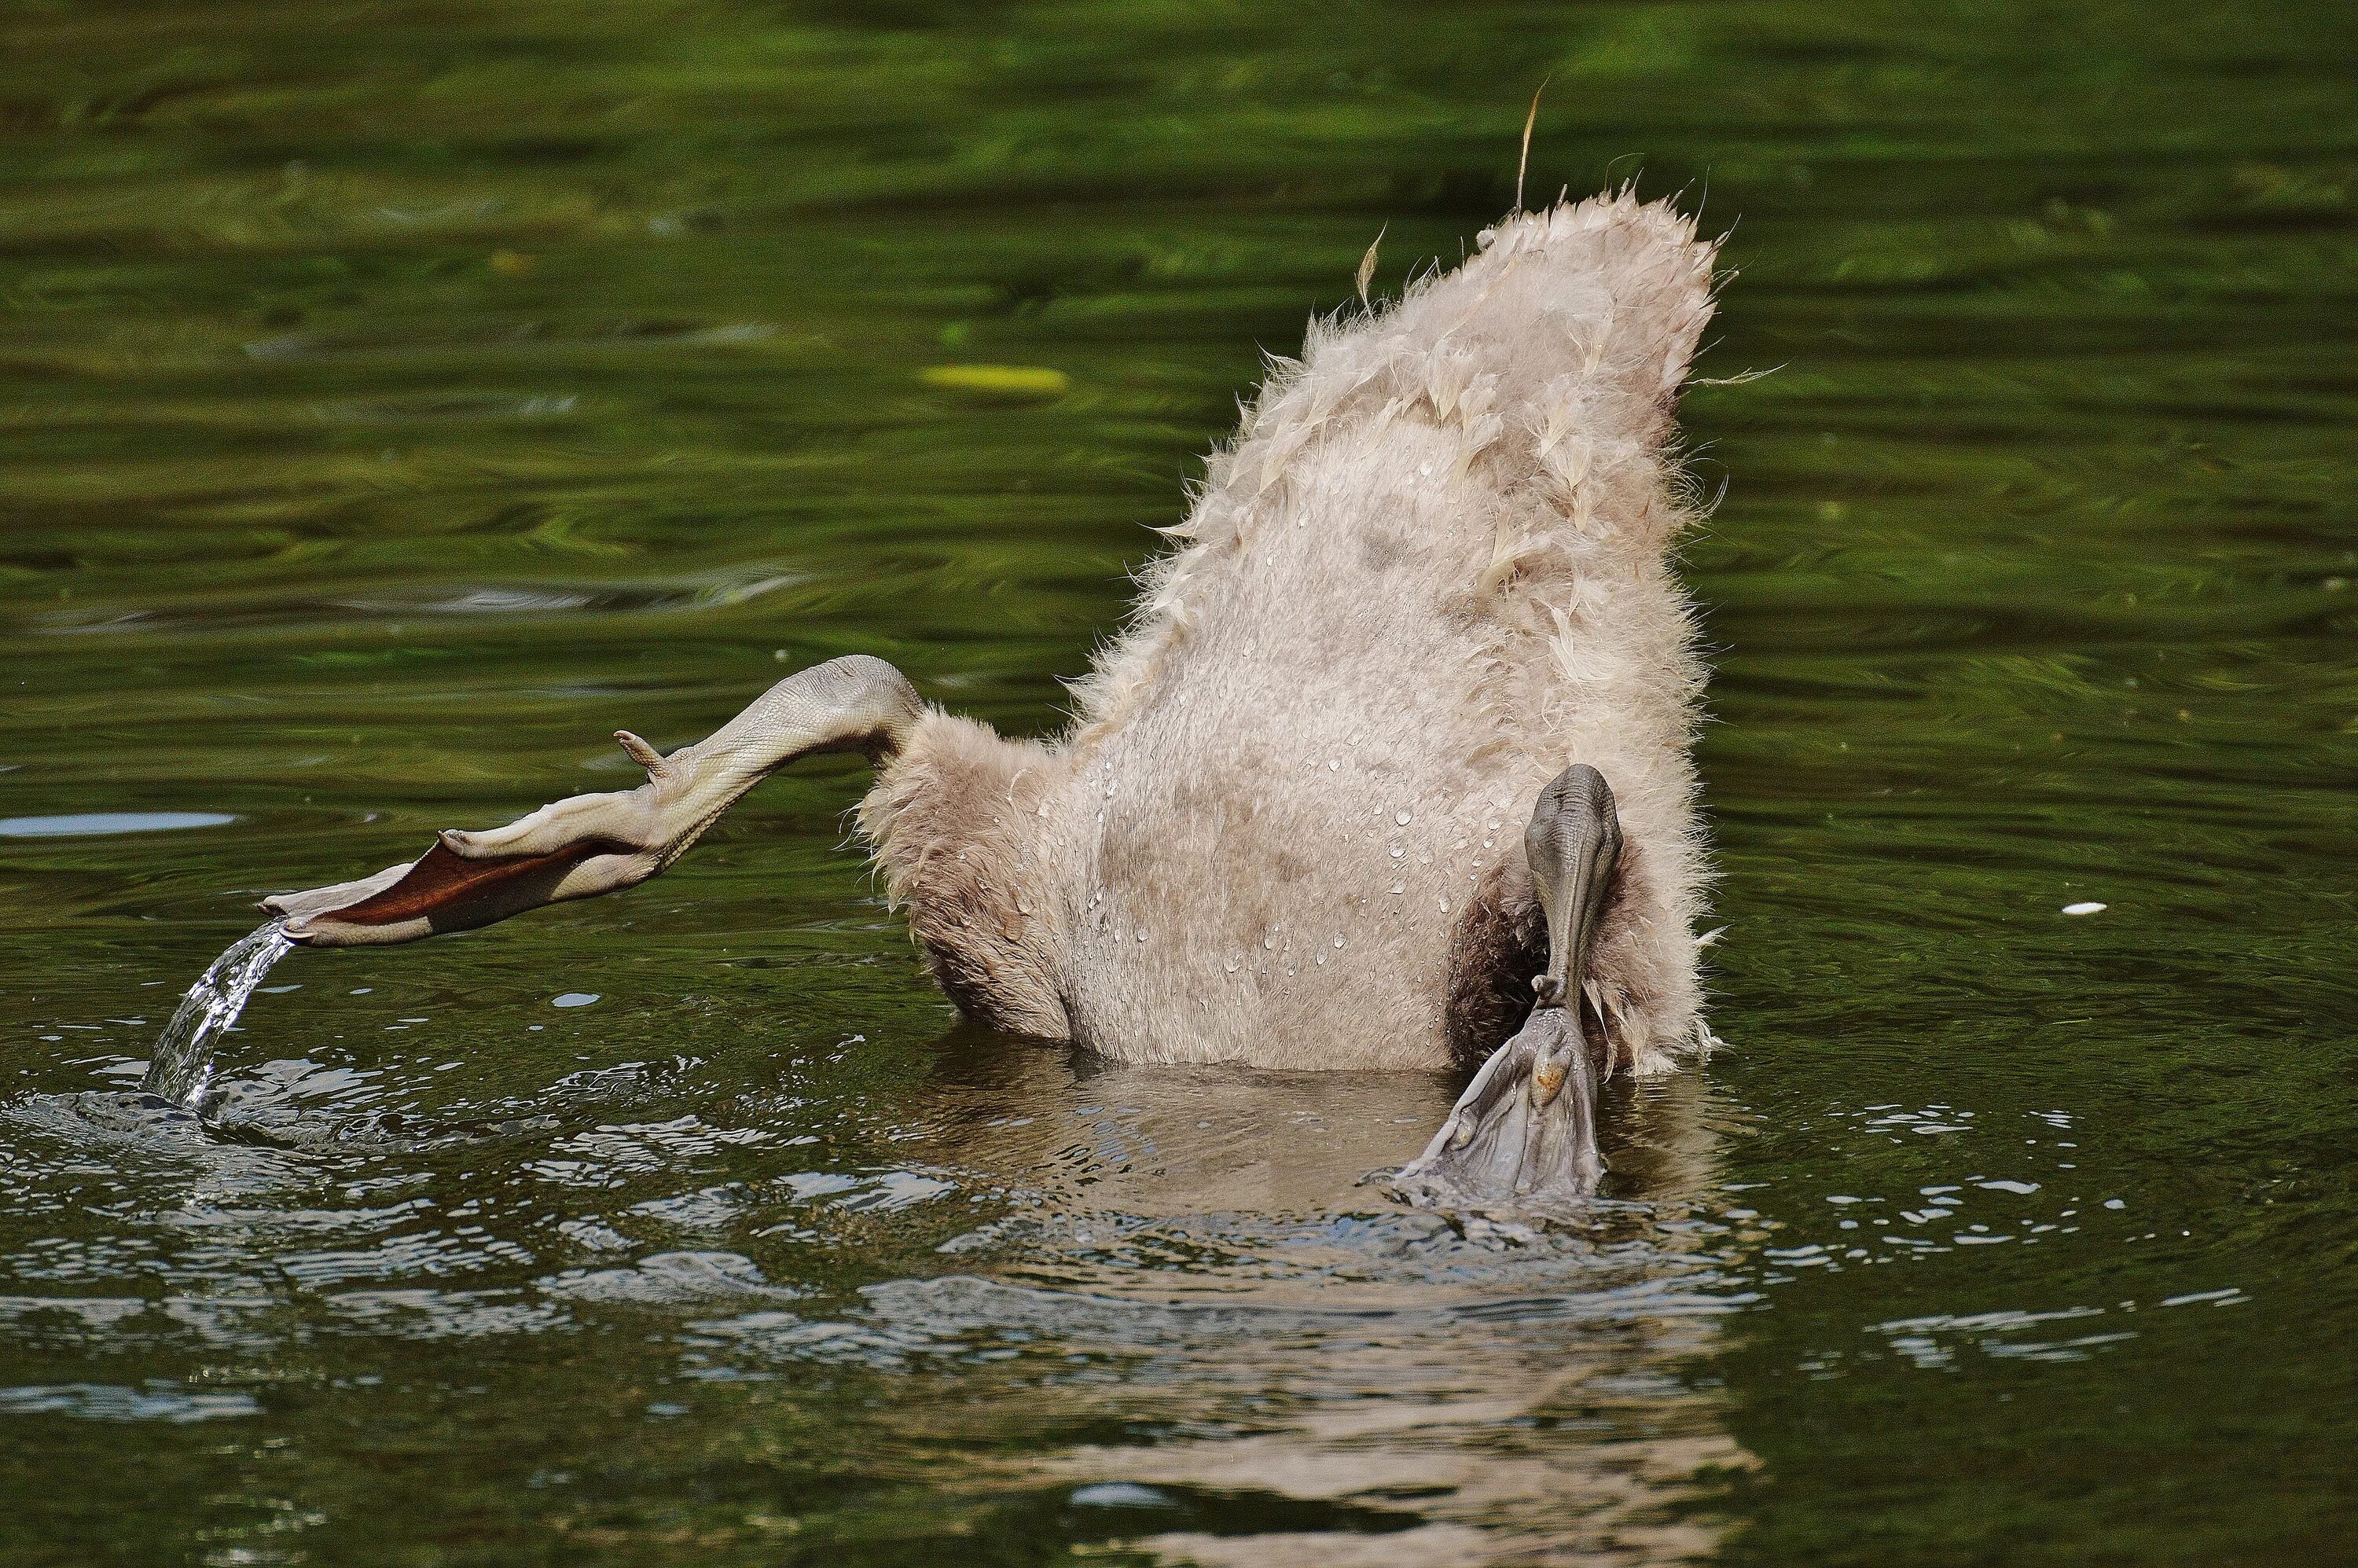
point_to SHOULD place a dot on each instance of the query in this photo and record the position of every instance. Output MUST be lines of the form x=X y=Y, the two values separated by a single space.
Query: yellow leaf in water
x=997 y=381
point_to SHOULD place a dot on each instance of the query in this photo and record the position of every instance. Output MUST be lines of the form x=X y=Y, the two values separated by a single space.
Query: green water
x=400 y=397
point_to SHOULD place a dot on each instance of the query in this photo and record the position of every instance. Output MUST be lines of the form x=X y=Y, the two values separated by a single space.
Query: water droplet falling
x=182 y=1068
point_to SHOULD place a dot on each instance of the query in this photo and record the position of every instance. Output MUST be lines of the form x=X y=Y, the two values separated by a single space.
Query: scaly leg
x=1525 y=1129
x=592 y=844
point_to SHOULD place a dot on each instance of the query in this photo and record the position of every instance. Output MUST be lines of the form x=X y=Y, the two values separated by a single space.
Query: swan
x=1390 y=767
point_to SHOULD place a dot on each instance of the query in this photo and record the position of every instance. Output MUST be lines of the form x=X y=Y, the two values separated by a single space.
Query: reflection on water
x=89 y=823
x=1203 y=1234
x=1187 y=1317
x=400 y=399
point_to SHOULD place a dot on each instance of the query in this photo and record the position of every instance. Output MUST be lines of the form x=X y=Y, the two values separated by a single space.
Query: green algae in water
x=400 y=400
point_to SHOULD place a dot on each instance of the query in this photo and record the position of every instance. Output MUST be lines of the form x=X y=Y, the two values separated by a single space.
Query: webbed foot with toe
x=1524 y=1132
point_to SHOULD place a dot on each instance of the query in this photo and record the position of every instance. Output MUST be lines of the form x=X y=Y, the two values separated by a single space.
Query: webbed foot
x=1524 y=1132
x=1512 y=1140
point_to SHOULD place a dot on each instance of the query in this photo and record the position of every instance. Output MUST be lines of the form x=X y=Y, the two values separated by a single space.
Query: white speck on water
x=1123 y=1494
x=1322 y=958
x=1399 y=887
x=574 y=998
x=1333 y=765
x=1398 y=851
x=2085 y=908
x=1338 y=939
x=534 y=1028
x=1403 y=818
x=362 y=991
x=1269 y=942
x=2115 y=1203
x=2232 y=1297
x=2022 y=1188
x=1231 y=966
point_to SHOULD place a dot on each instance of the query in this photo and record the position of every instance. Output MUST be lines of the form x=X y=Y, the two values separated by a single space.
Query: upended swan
x=1390 y=769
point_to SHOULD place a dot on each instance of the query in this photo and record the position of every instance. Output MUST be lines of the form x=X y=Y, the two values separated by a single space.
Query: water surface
x=401 y=398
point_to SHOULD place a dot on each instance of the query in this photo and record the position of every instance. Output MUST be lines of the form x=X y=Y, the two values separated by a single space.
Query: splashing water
x=182 y=1068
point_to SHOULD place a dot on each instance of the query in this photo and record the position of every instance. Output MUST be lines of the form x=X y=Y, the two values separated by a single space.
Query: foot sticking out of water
x=1524 y=1132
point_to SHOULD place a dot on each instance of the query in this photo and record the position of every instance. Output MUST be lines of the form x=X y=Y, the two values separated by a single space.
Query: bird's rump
x=1430 y=573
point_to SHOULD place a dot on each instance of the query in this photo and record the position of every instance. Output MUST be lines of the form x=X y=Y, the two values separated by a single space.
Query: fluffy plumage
x=1431 y=572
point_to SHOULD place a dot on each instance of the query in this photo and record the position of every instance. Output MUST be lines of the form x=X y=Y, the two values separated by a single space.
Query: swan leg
x=1525 y=1129
x=592 y=844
